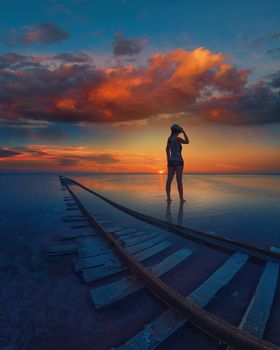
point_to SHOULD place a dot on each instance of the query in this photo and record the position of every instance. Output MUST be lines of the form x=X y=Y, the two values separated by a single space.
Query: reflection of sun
x=161 y=171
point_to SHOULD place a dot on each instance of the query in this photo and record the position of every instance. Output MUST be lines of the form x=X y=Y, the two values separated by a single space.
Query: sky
x=94 y=86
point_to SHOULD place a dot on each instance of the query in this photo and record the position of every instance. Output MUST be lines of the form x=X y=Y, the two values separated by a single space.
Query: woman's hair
x=175 y=132
x=175 y=129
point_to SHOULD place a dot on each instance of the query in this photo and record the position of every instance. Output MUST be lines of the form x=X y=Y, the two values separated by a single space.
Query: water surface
x=242 y=207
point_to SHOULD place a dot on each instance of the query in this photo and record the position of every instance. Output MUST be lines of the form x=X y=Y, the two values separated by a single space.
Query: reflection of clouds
x=180 y=213
x=145 y=187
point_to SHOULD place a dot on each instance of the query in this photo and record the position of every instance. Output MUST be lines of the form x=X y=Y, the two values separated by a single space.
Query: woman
x=175 y=160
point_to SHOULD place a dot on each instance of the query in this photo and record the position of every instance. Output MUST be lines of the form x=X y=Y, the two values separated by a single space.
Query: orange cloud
x=51 y=158
x=176 y=82
x=169 y=83
x=66 y=103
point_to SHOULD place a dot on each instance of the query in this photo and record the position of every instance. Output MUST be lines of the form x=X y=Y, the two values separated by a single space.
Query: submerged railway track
x=112 y=248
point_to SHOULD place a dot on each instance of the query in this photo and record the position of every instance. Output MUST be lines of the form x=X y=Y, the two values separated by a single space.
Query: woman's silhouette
x=175 y=160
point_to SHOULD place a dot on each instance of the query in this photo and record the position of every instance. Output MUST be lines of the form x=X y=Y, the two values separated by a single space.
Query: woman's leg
x=179 y=173
x=171 y=172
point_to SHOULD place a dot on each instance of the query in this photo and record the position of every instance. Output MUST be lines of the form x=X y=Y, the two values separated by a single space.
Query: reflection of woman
x=175 y=160
x=168 y=216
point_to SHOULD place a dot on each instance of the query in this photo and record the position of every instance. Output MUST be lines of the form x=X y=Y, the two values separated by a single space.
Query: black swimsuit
x=176 y=152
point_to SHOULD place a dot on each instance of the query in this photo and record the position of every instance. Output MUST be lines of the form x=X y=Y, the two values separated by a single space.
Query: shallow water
x=243 y=207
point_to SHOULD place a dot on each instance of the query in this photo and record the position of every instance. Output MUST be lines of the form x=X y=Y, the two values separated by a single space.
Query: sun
x=161 y=172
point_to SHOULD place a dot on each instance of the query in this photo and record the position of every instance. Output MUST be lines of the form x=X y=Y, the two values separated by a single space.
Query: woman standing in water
x=175 y=160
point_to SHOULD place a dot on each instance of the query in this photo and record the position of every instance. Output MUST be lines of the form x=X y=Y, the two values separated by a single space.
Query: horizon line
x=129 y=173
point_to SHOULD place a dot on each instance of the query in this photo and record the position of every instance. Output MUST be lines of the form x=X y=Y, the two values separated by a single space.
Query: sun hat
x=176 y=127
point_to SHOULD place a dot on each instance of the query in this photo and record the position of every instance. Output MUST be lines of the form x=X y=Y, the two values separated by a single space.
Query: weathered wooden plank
x=160 y=328
x=75 y=234
x=116 y=291
x=129 y=240
x=126 y=231
x=89 y=246
x=256 y=316
x=217 y=280
x=143 y=239
x=114 y=229
x=142 y=245
x=102 y=222
x=121 y=228
x=75 y=219
x=111 y=267
x=75 y=216
x=137 y=232
x=87 y=252
x=91 y=242
x=133 y=249
x=63 y=249
x=81 y=226
x=114 y=224
x=129 y=236
x=99 y=259
x=147 y=253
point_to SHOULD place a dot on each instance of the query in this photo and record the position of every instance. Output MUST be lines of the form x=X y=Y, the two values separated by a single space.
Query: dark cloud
x=60 y=156
x=7 y=153
x=67 y=162
x=257 y=104
x=45 y=33
x=123 y=46
x=31 y=151
x=275 y=80
x=275 y=36
x=15 y=61
x=9 y=135
x=261 y=41
x=49 y=134
x=255 y=43
x=71 y=57
x=103 y=159
x=31 y=132
x=99 y=159
x=12 y=60
x=275 y=52
x=42 y=33
x=30 y=94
